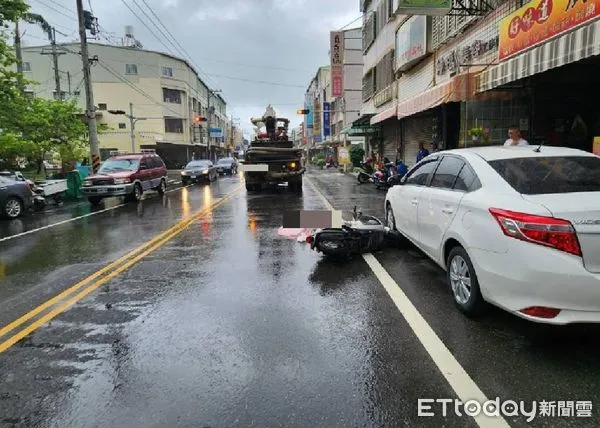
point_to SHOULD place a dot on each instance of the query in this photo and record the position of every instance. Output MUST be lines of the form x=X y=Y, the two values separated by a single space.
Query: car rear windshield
x=226 y=160
x=544 y=175
x=116 y=165
x=198 y=164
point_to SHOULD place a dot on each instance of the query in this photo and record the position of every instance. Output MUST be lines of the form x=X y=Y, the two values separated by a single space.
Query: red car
x=128 y=175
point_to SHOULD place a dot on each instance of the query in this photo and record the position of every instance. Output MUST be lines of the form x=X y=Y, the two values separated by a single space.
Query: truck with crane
x=271 y=157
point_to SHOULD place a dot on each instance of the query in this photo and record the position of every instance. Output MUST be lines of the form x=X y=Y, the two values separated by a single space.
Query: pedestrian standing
x=514 y=138
x=422 y=153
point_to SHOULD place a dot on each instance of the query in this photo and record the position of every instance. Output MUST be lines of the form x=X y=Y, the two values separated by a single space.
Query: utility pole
x=89 y=95
x=55 y=54
x=132 y=122
x=19 y=55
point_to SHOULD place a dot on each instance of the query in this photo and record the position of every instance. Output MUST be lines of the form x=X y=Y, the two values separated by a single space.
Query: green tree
x=53 y=125
x=356 y=155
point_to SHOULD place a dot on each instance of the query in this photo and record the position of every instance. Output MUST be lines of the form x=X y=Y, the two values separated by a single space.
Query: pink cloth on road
x=299 y=234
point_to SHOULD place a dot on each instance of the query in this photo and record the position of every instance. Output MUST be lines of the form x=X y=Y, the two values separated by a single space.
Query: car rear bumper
x=273 y=176
x=195 y=177
x=551 y=279
x=109 y=190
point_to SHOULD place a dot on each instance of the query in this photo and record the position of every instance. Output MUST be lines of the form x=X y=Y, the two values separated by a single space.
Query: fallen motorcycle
x=362 y=234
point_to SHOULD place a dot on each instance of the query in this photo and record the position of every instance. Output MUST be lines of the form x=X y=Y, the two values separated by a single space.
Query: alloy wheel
x=13 y=208
x=460 y=280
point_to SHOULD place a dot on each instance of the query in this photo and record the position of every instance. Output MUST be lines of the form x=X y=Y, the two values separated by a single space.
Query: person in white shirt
x=514 y=138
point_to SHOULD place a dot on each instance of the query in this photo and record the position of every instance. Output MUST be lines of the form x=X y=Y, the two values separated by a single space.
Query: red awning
x=386 y=114
x=459 y=88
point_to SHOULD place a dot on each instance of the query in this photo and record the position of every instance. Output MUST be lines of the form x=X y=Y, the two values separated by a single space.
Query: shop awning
x=459 y=88
x=386 y=114
x=574 y=46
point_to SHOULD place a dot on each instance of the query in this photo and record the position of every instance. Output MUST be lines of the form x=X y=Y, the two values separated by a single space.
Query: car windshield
x=225 y=161
x=116 y=165
x=545 y=175
x=198 y=164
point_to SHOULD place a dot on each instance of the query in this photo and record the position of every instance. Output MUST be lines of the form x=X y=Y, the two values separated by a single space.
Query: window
x=447 y=171
x=369 y=31
x=385 y=72
x=122 y=125
x=102 y=106
x=544 y=175
x=420 y=175
x=167 y=71
x=174 y=125
x=171 y=96
x=117 y=165
x=131 y=69
x=467 y=180
x=26 y=66
x=369 y=84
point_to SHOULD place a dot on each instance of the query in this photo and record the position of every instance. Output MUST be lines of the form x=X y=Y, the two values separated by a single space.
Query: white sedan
x=517 y=227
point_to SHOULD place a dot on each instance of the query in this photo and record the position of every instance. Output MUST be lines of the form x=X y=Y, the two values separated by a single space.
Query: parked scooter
x=362 y=234
x=365 y=173
x=381 y=177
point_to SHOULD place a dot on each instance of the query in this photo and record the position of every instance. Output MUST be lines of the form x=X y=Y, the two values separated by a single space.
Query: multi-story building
x=163 y=92
x=463 y=78
x=329 y=122
x=346 y=108
x=318 y=93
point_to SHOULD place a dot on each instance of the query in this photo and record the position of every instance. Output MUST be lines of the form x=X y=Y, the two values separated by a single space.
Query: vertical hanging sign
x=336 y=52
x=326 y=120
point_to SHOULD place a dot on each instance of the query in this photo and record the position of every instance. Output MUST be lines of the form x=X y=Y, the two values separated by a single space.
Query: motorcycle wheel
x=363 y=178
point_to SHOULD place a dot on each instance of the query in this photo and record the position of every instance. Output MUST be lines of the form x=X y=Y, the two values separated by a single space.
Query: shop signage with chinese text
x=540 y=20
x=412 y=41
x=337 y=48
x=465 y=55
x=309 y=117
x=326 y=120
x=317 y=121
x=337 y=81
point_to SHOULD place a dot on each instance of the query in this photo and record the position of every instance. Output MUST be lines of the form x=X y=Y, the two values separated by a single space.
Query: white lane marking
x=463 y=385
x=7 y=238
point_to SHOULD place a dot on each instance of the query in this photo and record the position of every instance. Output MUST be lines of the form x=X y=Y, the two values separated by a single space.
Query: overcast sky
x=277 y=41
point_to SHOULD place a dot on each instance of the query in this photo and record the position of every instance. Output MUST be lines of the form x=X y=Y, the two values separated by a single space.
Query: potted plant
x=476 y=133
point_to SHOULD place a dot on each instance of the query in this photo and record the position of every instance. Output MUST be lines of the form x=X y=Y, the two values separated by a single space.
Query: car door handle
x=415 y=201
x=447 y=210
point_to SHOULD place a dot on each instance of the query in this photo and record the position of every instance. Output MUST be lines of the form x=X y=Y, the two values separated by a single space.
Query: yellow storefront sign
x=541 y=20
x=343 y=156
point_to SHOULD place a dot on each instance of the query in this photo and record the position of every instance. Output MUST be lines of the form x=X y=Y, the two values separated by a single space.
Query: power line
x=55 y=10
x=57 y=3
x=350 y=23
x=146 y=25
x=258 y=81
x=186 y=54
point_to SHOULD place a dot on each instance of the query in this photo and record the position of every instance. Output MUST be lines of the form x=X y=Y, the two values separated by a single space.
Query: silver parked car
x=16 y=197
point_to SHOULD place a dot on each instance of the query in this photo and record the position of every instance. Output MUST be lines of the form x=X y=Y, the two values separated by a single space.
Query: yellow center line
x=152 y=245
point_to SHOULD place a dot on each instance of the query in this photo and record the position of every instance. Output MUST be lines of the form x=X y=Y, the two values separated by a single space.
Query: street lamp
x=132 y=122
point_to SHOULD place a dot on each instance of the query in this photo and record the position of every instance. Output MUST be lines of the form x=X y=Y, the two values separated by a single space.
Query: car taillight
x=310 y=239
x=548 y=231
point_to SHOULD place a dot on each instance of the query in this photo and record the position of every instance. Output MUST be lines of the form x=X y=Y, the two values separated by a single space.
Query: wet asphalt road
x=228 y=324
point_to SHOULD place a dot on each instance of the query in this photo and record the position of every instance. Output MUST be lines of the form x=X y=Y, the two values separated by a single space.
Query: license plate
x=193 y=176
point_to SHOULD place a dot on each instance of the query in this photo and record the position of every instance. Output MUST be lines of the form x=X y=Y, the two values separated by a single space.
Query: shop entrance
x=567 y=105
